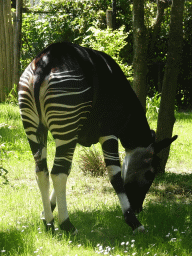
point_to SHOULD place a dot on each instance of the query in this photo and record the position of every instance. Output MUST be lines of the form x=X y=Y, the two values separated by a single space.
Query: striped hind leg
x=59 y=175
x=39 y=151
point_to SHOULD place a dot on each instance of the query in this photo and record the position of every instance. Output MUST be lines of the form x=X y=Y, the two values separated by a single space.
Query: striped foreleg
x=111 y=156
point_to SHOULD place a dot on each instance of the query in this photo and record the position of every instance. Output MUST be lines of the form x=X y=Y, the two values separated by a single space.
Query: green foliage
x=91 y=162
x=110 y=42
x=152 y=106
x=58 y=21
x=3 y=171
x=64 y=20
x=12 y=97
x=3 y=176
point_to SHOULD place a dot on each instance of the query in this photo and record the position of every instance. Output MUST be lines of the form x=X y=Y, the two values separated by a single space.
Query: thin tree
x=17 y=39
x=166 y=118
x=6 y=46
x=140 y=51
x=144 y=41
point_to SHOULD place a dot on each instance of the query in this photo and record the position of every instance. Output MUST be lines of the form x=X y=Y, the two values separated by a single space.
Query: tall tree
x=17 y=39
x=166 y=116
x=6 y=46
x=156 y=28
x=140 y=51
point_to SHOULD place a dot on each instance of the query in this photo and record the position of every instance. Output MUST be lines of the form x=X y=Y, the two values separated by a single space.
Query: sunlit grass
x=93 y=206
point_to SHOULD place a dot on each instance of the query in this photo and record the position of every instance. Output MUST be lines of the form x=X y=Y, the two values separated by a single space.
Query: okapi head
x=139 y=170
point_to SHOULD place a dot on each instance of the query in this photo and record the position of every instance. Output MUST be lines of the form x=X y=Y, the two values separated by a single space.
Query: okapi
x=82 y=96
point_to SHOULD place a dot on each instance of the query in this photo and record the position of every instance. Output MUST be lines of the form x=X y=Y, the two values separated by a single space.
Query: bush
x=152 y=106
x=58 y=21
x=3 y=176
x=110 y=42
x=91 y=162
x=3 y=172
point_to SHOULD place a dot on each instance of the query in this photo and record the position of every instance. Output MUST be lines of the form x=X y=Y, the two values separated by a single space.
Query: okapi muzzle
x=139 y=170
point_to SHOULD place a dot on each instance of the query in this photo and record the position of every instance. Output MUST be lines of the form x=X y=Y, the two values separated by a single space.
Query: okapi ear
x=158 y=146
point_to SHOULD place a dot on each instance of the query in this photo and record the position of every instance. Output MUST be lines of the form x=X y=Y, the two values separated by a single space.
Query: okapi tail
x=41 y=135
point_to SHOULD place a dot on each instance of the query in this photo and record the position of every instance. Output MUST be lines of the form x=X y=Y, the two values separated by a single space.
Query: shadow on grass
x=167 y=218
x=172 y=185
x=12 y=242
x=168 y=229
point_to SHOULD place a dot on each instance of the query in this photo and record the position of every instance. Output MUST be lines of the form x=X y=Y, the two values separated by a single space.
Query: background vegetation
x=93 y=206
x=57 y=20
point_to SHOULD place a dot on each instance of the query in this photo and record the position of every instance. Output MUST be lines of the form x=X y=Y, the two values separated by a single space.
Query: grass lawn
x=93 y=206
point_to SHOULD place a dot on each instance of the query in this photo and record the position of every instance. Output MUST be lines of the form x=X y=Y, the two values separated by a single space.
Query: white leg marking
x=113 y=170
x=140 y=229
x=53 y=197
x=43 y=183
x=124 y=202
x=125 y=165
x=59 y=183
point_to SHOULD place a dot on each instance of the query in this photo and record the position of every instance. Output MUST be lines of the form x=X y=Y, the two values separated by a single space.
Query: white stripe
x=64 y=142
x=60 y=75
x=56 y=94
x=66 y=118
x=62 y=106
x=56 y=126
x=105 y=138
x=63 y=72
x=64 y=80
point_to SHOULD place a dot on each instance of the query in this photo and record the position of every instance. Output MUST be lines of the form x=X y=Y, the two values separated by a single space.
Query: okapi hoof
x=140 y=229
x=49 y=226
x=131 y=219
x=68 y=227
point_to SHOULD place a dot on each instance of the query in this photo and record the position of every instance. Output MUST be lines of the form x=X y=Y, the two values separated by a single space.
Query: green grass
x=93 y=206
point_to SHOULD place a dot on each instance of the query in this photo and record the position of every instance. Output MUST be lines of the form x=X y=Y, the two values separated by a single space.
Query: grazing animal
x=81 y=96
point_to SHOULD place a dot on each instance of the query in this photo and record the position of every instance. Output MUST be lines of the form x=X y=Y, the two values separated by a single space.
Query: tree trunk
x=114 y=13
x=17 y=40
x=6 y=46
x=156 y=28
x=109 y=19
x=140 y=52
x=166 y=116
